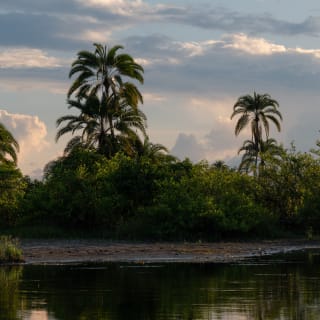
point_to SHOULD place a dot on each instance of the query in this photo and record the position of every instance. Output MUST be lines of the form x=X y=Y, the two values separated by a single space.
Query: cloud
x=68 y=25
x=218 y=144
x=251 y=45
x=121 y=7
x=31 y=133
x=149 y=97
x=312 y=52
x=235 y=64
x=43 y=85
x=27 y=58
x=227 y=20
x=187 y=146
x=212 y=136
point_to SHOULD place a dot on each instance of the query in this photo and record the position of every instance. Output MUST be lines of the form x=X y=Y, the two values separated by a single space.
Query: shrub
x=10 y=250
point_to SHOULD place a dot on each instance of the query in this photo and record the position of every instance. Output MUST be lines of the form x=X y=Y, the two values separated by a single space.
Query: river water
x=276 y=287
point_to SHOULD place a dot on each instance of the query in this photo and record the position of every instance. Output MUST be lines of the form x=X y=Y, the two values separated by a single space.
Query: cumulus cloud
x=212 y=136
x=31 y=133
x=234 y=63
x=251 y=45
x=187 y=146
x=27 y=58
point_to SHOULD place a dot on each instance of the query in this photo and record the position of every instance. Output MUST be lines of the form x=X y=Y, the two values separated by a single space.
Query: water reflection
x=272 y=288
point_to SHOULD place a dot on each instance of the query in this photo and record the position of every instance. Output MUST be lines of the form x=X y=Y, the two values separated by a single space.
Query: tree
x=8 y=146
x=254 y=160
x=96 y=134
x=108 y=103
x=257 y=110
x=155 y=152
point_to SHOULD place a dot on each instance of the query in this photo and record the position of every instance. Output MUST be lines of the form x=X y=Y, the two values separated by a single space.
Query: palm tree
x=101 y=74
x=108 y=102
x=257 y=110
x=8 y=146
x=156 y=152
x=254 y=160
x=102 y=71
x=94 y=126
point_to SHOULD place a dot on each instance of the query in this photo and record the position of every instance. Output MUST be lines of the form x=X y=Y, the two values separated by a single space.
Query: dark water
x=278 y=287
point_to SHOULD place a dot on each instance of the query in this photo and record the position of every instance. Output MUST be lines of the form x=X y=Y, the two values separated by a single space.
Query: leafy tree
x=108 y=103
x=8 y=146
x=220 y=165
x=290 y=186
x=12 y=189
x=11 y=182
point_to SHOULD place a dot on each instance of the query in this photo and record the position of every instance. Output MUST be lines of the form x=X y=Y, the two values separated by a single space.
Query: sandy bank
x=77 y=251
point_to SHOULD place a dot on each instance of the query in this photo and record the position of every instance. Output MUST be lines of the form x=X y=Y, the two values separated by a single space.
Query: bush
x=9 y=250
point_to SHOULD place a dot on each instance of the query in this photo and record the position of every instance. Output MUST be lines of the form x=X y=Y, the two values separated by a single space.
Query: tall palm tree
x=254 y=160
x=8 y=146
x=107 y=100
x=95 y=132
x=257 y=110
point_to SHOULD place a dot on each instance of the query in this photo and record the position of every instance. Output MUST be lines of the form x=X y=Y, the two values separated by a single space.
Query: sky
x=199 y=57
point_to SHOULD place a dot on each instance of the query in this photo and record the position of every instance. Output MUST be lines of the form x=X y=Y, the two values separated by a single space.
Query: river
x=283 y=287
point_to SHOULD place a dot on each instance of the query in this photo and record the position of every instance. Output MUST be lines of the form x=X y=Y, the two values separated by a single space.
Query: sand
x=82 y=251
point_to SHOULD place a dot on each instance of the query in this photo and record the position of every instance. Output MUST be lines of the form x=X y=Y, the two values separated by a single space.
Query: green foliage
x=204 y=202
x=12 y=189
x=141 y=198
x=9 y=250
x=287 y=182
x=8 y=146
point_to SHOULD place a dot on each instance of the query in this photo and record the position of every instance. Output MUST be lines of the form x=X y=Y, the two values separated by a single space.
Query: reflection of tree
x=10 y=301
x=177 y=291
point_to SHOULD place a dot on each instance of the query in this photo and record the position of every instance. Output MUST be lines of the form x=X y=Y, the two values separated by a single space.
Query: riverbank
x=81 y=251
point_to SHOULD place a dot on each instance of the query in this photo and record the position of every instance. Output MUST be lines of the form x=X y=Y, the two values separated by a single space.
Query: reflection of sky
x=206 y=51
x=38 y=315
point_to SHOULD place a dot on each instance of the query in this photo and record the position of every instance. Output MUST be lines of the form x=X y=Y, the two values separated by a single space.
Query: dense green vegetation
x=9 y=250
x=113 y=182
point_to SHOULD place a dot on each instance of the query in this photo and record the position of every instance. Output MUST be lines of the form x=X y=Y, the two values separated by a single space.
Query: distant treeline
x=158 y=198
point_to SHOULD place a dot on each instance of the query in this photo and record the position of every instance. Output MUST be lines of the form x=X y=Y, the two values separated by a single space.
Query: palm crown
x=8 y=146
x=258 y=110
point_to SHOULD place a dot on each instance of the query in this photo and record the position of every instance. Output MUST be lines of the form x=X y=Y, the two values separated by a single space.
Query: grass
x=9 y=250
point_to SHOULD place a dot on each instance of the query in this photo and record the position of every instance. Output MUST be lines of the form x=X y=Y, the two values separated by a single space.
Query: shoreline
x=56 y=251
